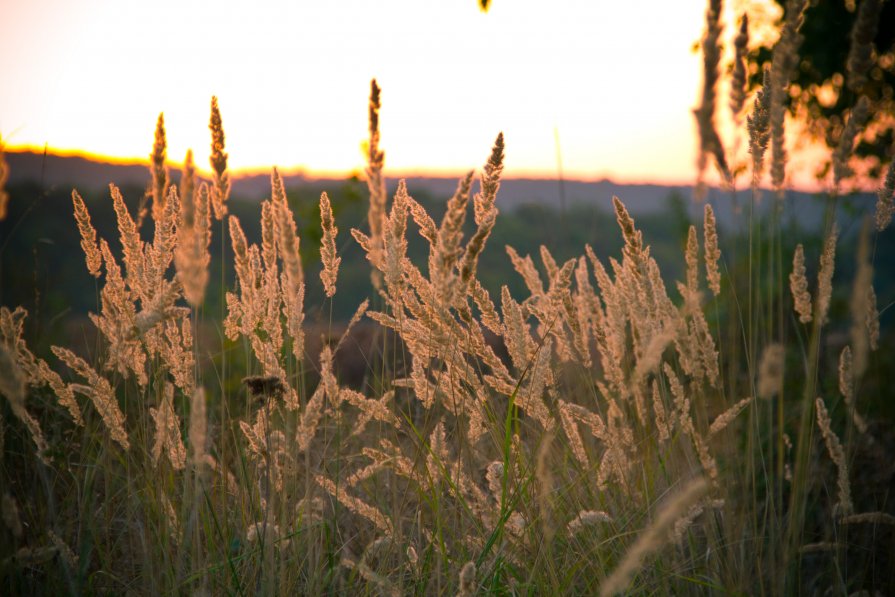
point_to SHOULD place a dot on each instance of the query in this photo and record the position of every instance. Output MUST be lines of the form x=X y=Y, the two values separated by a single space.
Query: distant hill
x=55 y=171
x=42 y=265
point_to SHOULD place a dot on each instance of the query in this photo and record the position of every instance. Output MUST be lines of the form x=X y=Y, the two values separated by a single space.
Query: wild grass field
x=608 y=430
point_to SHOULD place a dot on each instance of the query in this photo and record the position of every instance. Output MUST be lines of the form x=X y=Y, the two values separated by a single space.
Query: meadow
x=593 y=426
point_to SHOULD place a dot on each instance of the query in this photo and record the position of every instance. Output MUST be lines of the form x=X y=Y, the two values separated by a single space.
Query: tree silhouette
x=823 y=90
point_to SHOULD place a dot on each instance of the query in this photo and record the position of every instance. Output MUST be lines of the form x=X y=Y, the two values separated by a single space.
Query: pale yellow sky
x=617 y=79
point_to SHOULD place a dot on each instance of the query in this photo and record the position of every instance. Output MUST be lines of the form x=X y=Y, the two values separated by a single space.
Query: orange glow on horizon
x=300 y=170
x=311 y=175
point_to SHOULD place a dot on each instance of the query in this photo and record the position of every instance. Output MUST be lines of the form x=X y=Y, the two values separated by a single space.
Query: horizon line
x=434 y=173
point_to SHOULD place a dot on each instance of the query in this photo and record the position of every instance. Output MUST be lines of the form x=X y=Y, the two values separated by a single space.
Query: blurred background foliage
x=820 y=96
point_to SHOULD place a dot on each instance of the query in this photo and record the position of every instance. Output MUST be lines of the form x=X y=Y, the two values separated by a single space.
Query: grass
x=598 y=434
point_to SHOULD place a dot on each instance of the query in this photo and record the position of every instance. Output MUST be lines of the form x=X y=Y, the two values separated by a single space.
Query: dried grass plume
x=328 y=255
x=218 y=159
x=798 y=285
x=159 y=171
x=652 y=538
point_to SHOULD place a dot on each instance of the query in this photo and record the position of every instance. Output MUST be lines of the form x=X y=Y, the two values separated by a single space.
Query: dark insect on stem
x=261 y=386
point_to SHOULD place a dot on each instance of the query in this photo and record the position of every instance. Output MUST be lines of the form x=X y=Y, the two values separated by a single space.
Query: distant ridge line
x=643 y=198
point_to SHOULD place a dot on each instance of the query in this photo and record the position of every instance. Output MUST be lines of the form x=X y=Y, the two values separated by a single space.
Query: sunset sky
x=616 y=80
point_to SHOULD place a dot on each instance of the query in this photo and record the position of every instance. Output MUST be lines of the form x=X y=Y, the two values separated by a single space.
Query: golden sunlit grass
x=599 y=434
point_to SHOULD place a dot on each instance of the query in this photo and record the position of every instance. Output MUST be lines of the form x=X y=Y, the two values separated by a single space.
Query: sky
x=611 y=84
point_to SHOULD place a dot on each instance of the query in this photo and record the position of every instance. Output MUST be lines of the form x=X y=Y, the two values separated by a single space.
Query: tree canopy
x=838 y=37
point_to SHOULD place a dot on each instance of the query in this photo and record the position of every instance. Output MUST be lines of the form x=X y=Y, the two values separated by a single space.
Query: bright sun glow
x=616 y=80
